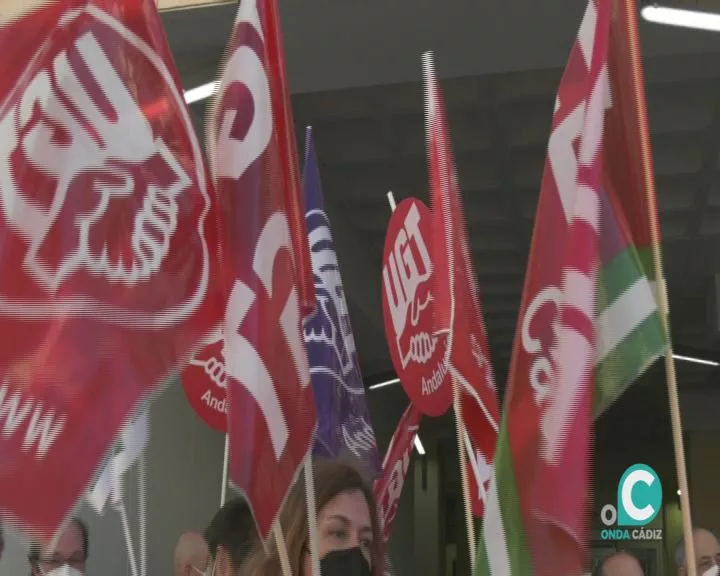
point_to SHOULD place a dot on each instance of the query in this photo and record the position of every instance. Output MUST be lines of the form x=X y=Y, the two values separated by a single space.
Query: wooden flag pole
x=122 y=512
x=460 y=429
x=675 y=420
x=226 y=464
x=282 y=549
x=312 y=515
x=142 y=512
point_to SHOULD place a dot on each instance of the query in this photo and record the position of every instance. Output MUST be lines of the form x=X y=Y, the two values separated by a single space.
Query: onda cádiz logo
x=639 y=500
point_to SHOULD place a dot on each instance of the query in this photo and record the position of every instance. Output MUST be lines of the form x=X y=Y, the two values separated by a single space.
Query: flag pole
x=460 y=428
x=647 y=167
x=431 y=101
x=312 y=515
x=142 y=512
x=282 y=549
x=226 y=464
x=122 y=512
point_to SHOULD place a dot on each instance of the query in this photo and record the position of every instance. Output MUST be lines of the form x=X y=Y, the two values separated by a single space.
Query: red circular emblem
x=204 y=383
x=417 y=353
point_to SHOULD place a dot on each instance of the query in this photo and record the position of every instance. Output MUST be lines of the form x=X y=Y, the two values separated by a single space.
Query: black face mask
x=349 y=562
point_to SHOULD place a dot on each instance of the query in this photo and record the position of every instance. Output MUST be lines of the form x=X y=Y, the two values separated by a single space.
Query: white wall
x=183 y=486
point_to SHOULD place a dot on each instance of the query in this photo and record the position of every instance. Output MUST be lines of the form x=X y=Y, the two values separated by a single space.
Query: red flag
x=105 y=280
x=543 y=467
x=457 y=305
x=395 y=466
x=204 y=382
x=565 y=255
x=266 y=260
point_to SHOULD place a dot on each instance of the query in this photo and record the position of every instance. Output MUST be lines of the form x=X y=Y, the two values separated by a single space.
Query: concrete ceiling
x=334 y=44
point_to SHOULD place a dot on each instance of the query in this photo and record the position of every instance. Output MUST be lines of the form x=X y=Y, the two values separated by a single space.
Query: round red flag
x=417 y=353
x=204 y=383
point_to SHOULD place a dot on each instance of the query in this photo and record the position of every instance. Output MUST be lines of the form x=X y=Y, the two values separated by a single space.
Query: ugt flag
x=344 y=427
x=266 y=264
x=107 y=236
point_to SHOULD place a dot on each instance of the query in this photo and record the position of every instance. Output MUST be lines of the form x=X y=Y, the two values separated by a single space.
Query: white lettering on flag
x=235 y=156
x=42 y=429
x=245 y=365
x=243 y=361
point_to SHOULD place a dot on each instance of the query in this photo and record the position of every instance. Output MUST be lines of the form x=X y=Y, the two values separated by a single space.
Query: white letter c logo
x=635 y=477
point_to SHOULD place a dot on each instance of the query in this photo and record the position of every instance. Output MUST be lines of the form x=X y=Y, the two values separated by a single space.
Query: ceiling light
x=696 y=360
x=391 y=200
x=681 y=17
x=680 y=357
x=386 y=383
x=419 y=446
x=200 y=92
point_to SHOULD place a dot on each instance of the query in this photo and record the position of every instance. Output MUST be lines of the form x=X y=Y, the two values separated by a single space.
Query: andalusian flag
x=589 y=322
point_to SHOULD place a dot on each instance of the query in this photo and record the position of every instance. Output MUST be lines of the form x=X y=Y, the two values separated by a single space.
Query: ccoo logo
x=639 y=497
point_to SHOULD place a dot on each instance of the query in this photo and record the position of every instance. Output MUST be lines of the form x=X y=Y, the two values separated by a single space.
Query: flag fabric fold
x=388 y=488
x=458 y=313
x=589 y=323
x=266 y=263
x=108 y=485
x=108 y=233
x=345 y=429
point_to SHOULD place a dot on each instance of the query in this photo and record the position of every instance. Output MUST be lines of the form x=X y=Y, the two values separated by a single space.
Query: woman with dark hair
x=349 y=535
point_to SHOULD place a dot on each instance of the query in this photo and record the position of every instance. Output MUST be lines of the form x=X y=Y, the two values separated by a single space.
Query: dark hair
x=233 y=528
x=34 y=554
x=331 y=478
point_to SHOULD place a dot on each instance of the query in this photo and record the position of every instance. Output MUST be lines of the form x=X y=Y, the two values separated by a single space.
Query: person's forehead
x=622 y=565
x=351 y=505
x=706 y=544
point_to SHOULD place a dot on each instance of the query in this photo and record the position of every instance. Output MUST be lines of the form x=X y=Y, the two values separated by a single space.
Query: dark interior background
x=354 y=68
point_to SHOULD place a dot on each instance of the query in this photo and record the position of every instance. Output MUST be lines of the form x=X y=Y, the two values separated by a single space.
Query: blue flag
x=344 y=428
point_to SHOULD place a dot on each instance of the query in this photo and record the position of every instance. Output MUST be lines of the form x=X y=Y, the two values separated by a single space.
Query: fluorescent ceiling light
x=386 y=383
x=419 y=446
x=696 y=360
x=682 y=17
x=200 y=92
x=391 y=200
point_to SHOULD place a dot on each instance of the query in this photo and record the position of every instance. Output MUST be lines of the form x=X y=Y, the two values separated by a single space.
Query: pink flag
x=108 y=242
x=395 y=466
x=458 y=311
x=253 y=157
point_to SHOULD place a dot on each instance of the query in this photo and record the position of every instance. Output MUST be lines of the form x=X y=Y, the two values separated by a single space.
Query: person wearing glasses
x=69 y=556
x=707 y=554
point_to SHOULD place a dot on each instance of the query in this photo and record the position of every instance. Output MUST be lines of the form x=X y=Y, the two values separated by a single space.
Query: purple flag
x=344 y=428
